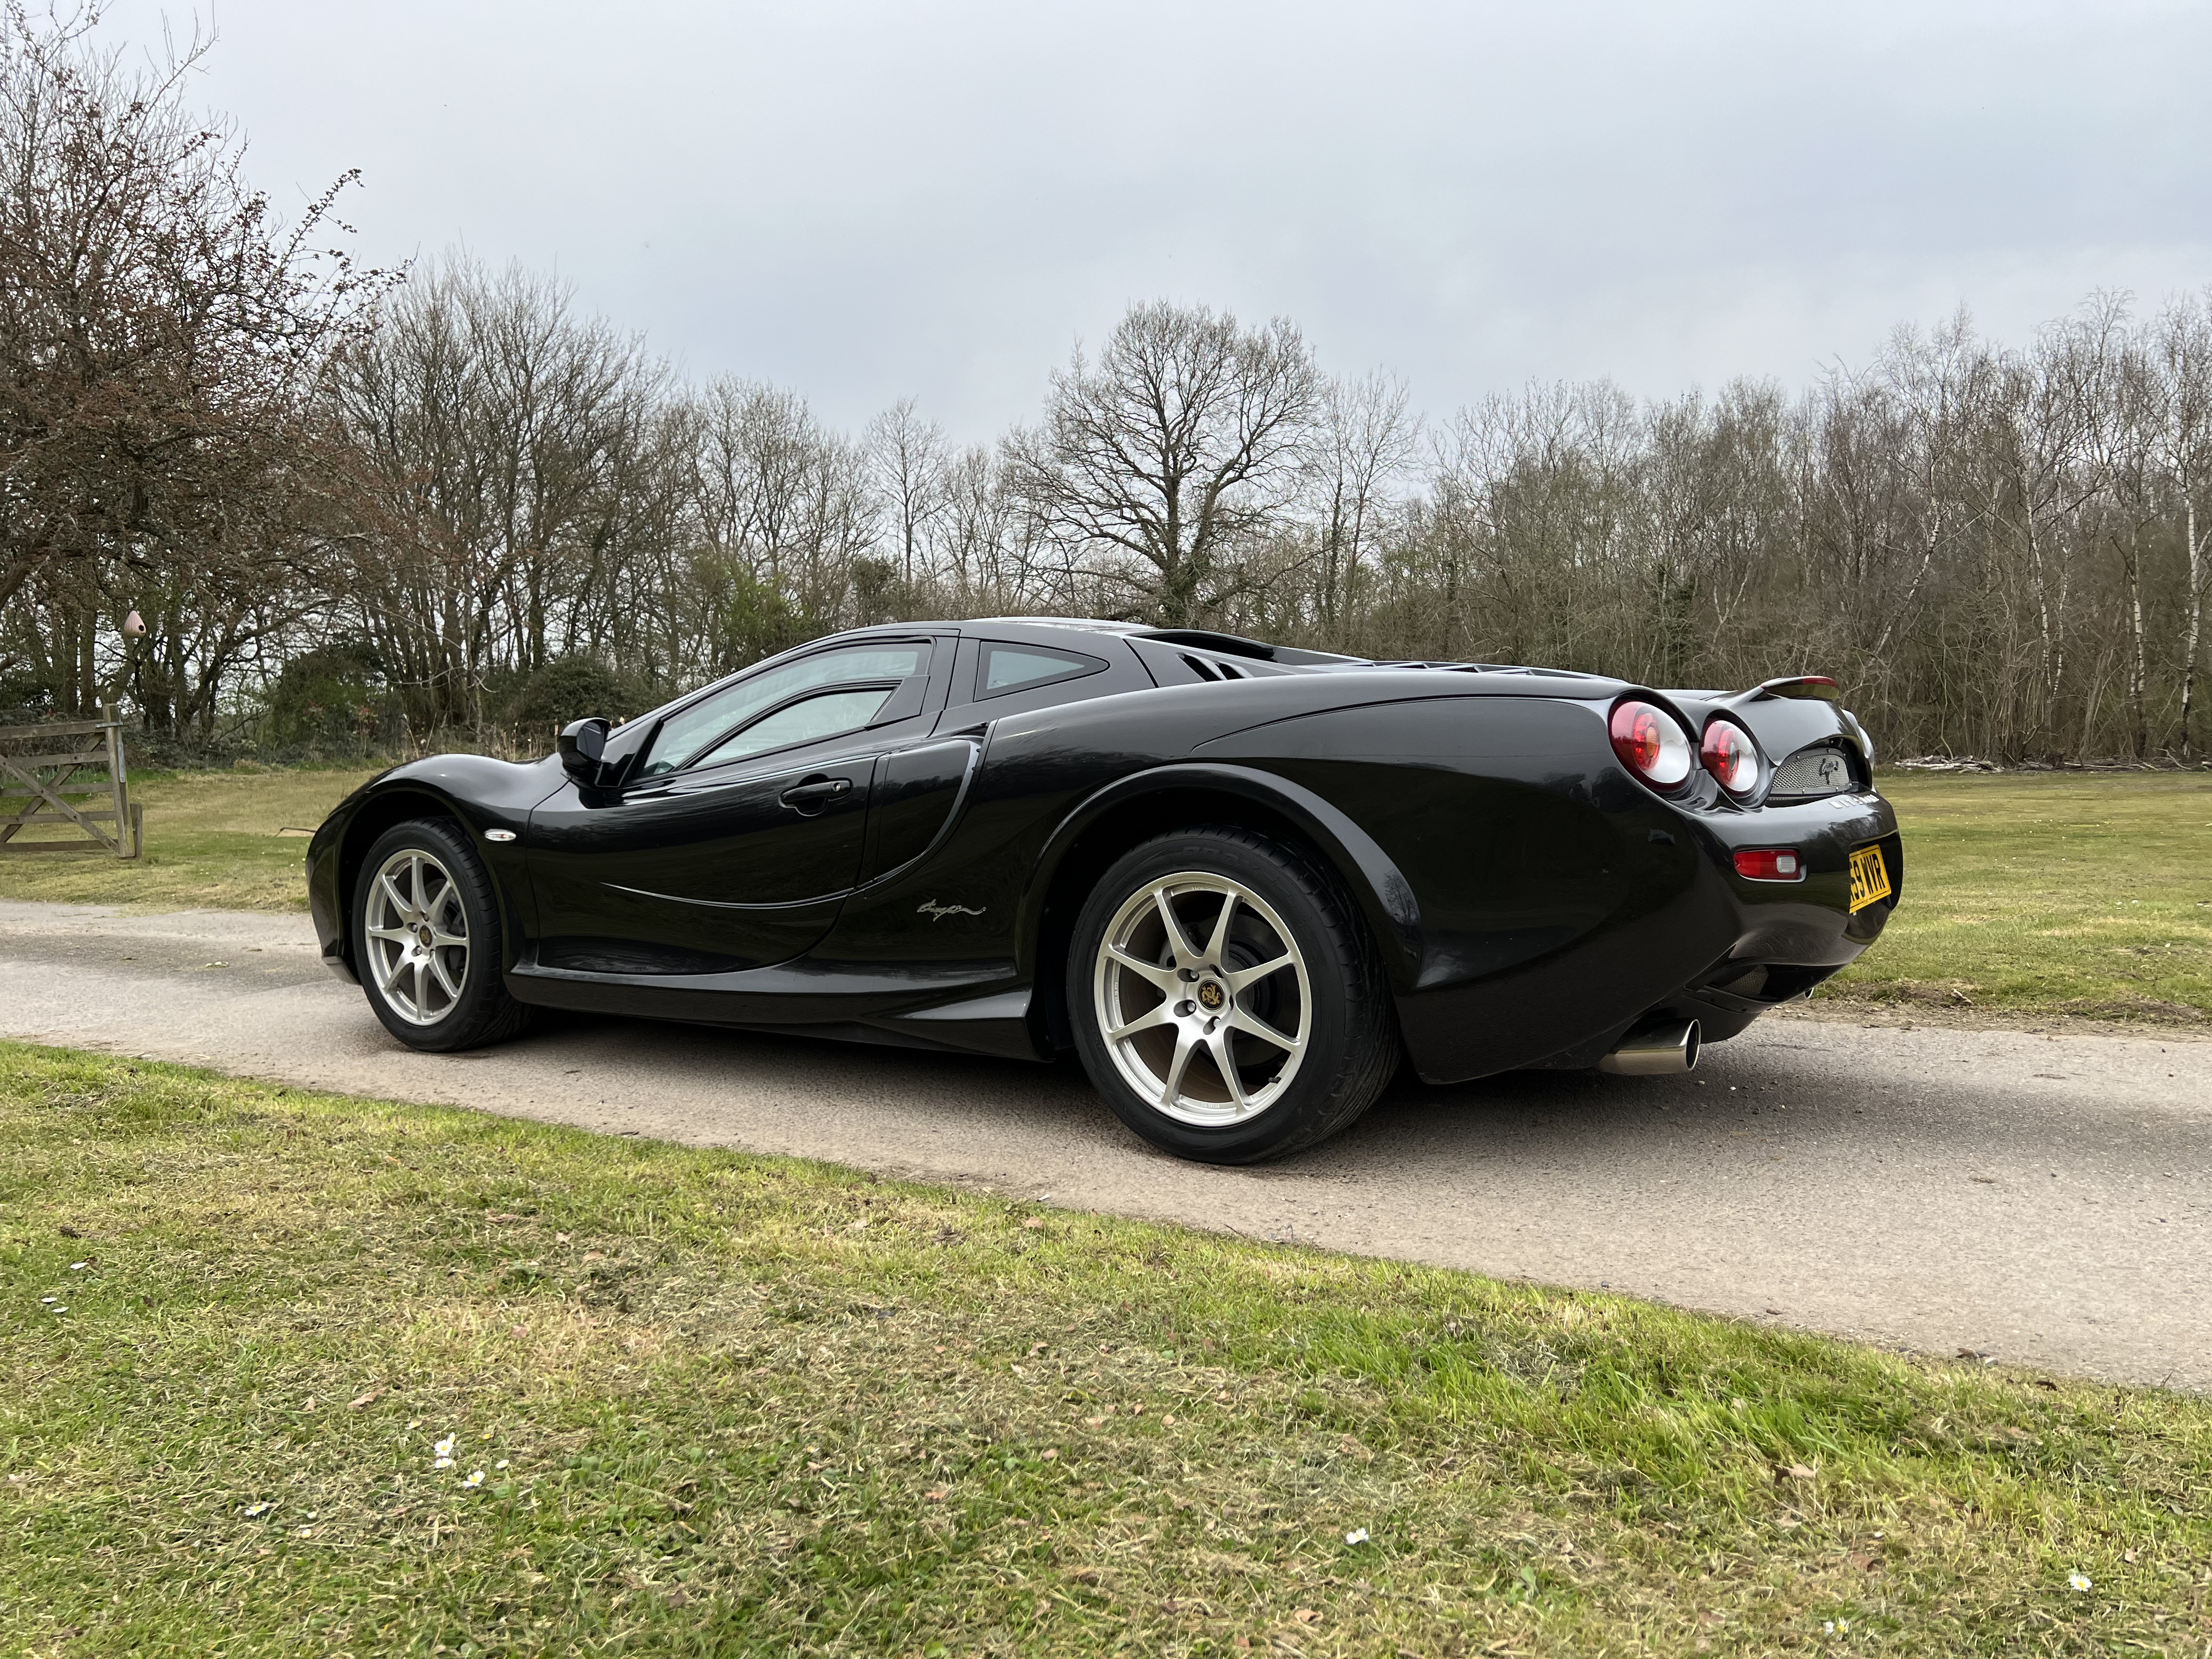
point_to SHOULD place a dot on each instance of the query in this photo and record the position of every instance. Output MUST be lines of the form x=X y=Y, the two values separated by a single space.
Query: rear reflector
x=1770 y=864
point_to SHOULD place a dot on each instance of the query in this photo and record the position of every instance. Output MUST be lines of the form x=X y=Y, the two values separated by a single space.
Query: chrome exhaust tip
x=1655 y=1051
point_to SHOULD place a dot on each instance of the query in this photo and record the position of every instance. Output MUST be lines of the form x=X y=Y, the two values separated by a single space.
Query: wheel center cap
x=425 y=935
x=1210 y=996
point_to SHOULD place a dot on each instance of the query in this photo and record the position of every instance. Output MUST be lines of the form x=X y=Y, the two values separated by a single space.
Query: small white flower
x=2077 y=1580
x=475 y=1480
x=49 y=1298
x=441 y=1462
x=1357 y=1535
x=252 y=1510
x=79 y=1266
x=501 y=1464
x=444 y=1447
x=59 y=1309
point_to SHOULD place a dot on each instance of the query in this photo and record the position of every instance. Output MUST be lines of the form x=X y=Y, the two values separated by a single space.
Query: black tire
x=1336 y=994
x=466 y=1005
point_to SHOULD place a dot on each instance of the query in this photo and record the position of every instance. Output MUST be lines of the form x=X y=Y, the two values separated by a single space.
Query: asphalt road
x=2045 y=1199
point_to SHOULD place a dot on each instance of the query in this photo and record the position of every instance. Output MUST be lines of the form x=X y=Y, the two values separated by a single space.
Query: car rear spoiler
x=1820 y=686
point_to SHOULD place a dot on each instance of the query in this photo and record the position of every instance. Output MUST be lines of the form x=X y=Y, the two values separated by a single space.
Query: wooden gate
x=68 y=777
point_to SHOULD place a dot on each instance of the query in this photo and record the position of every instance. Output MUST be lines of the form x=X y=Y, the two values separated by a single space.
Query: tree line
x=396 y=510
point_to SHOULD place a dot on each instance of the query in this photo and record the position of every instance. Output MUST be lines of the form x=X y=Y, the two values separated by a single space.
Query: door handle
x=811 y=797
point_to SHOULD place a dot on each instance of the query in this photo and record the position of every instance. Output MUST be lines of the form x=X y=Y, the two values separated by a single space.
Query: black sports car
x=1240 y=880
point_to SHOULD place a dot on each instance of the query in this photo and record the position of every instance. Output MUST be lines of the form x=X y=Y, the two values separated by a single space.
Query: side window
x=1006 y=668
x=709 y=724
x=825 y=714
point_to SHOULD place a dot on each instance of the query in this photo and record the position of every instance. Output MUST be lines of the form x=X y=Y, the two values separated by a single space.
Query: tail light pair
x=1652 y=745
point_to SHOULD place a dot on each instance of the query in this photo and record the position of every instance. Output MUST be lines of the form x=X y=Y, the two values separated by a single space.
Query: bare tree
x=911 y=460
x=2184 y=454
x=160 y=336
x=1983 y=540
x=499 y=439
x=782 y=499
x=1184 y=440
x=1366 y=440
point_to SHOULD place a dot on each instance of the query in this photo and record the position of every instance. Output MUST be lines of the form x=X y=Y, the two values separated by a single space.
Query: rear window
x=1024 y=667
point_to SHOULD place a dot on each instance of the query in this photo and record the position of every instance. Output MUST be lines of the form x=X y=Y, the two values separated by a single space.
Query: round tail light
x=1652 y=744
x=1731 y=757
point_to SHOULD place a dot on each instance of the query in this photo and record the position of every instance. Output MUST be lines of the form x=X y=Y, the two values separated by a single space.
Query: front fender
x=473 y=791
x=1385 y=897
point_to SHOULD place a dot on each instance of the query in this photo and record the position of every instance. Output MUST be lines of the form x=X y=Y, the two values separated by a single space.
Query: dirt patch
x=2183 y=1023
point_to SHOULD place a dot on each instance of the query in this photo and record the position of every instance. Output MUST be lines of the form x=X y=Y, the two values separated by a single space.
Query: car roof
x=1037 y=627
x=1206 y=654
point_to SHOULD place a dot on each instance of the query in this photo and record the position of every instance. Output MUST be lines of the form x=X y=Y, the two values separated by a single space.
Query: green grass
x=733 y=1405
x=2049 y=892
x=214 y=841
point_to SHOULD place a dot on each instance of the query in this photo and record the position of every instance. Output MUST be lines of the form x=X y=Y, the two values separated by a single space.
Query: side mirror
x=582 y=742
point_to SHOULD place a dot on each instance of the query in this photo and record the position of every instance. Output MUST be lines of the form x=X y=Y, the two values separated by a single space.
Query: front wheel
x=428 y=943
x=1226 y=1002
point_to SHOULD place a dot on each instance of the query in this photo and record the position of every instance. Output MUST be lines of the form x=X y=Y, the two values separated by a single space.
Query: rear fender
x=1384 y=897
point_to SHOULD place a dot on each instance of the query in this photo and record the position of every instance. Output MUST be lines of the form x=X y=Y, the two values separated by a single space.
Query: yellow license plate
x=1869 y=877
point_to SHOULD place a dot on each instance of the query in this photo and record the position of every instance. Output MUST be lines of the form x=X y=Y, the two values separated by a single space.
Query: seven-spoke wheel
x=1226 y=1001
x=427 y=941
x=1203 y=997
x=416 y=935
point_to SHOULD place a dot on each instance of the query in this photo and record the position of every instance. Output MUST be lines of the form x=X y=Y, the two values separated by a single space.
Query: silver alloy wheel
x=1202 y=998
x=418 y=936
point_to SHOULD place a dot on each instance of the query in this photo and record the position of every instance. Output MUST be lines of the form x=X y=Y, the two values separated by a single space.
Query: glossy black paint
x=914 y=882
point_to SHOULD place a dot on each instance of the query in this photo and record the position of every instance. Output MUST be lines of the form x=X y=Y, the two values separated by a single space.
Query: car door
x=743 y=828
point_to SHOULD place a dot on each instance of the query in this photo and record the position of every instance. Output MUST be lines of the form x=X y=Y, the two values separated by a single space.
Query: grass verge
x=215 y=840
x=2050 y=893
x=697 y=1402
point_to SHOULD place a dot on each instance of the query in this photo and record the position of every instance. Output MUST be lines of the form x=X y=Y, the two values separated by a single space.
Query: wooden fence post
x=129 y=820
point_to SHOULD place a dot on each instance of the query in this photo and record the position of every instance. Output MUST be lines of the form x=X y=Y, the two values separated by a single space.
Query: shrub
x=570 y=688
x=328 y=699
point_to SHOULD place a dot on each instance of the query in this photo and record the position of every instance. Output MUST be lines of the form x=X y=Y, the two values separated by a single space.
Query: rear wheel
x=1225 y=999
x=426 y=927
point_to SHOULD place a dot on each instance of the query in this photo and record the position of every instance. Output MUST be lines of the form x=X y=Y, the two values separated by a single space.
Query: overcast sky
x=868 y=201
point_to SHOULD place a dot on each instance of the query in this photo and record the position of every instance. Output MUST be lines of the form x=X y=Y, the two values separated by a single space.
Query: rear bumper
x=1793 y=935
x=1693 y=941
x=1808 y=921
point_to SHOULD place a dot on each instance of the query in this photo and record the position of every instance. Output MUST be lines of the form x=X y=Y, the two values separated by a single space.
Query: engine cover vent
x=1821 y=768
